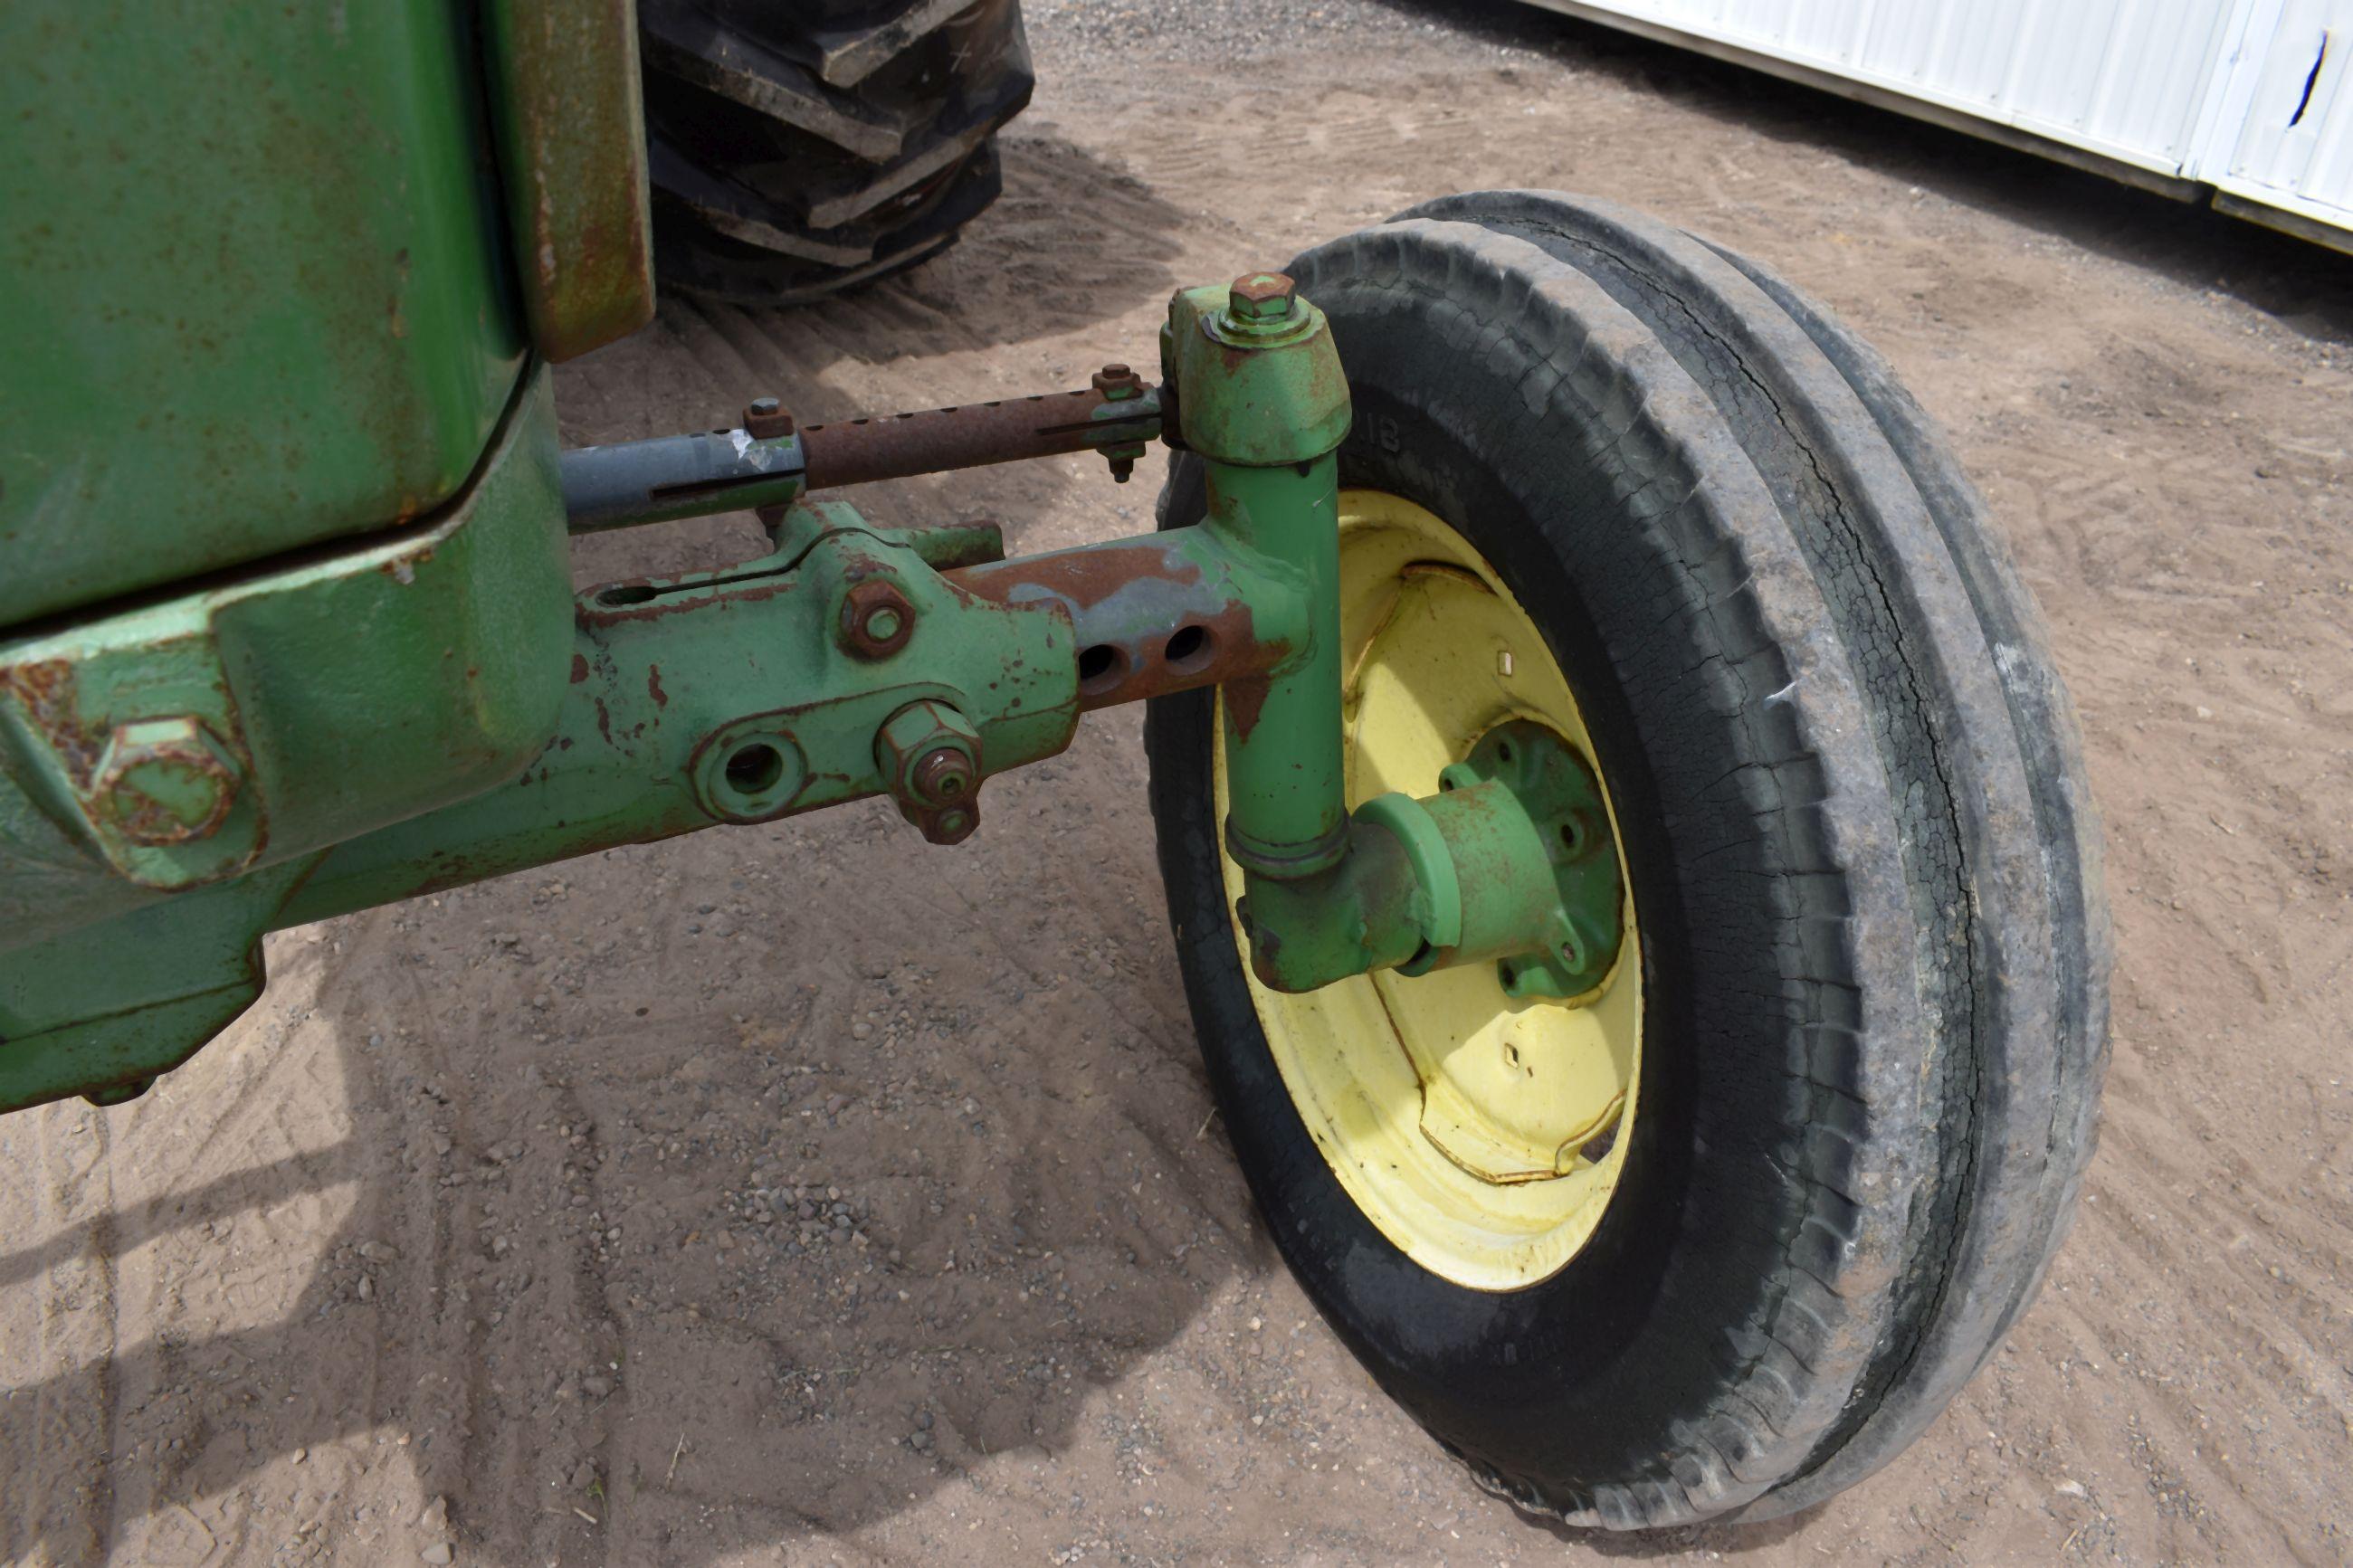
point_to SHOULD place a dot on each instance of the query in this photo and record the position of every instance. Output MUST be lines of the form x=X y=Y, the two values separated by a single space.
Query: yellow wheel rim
x=1481 y=1134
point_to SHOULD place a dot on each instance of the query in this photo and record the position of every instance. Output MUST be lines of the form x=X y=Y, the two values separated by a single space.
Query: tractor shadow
x=734 y=1191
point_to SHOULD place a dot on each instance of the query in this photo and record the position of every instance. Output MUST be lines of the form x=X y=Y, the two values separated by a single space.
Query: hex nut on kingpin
x=1259 y=298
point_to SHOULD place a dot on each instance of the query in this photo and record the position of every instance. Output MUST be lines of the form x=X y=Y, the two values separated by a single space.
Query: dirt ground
x=807 y=1194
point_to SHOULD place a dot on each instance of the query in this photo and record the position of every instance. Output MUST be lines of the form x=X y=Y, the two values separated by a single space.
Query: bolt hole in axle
x=1101 y=666
x=755 y=769
x=1189 y=650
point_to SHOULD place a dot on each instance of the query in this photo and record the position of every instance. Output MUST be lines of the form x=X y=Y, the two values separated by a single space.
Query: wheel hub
x=1478 y=1116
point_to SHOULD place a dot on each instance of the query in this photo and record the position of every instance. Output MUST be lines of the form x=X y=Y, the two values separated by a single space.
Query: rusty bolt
x=928 y=756
x=942 y=777
x=876 y=619
x=1260 y=297
x=765 y=418
x=1118 y=384
x=953 y=825
x=166 y=781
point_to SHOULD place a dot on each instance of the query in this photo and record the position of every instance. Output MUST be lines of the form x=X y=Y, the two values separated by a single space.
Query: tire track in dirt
x=78 y=1325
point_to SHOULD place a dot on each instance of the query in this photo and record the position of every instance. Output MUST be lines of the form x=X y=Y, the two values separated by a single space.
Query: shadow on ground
x=726 y=1190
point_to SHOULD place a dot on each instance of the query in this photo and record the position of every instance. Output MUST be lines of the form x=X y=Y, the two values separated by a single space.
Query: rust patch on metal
x=654 y=686
x=579 y=668
x=1200 y=650
x=901 y=446
x=1145 y=621
x=572 y=155
x=1244 y=699
x=45 y=689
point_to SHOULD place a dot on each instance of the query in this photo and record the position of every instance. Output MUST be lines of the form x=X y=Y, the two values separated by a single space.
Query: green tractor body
x=290 y=628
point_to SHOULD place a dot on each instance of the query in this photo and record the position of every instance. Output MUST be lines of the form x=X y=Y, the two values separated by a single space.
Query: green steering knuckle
x=1261 y=383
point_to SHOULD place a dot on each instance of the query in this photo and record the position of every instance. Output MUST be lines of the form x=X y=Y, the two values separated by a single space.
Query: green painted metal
x=326 y=699
x=432 y=705
x=1365 y=910
x=572 y=157
x=1513 y=862
x=1260 y=390
x=1261 y=398
x=678 y=703
x=1478 y=872
x=258 y=295
x=1287 y=814
x=1574 y=907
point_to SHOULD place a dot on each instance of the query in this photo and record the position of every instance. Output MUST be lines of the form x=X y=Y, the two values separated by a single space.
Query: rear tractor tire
x=799 y=147
x=1721 y=1236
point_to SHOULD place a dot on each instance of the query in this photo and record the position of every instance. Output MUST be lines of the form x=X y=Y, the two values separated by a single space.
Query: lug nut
x=876 y=619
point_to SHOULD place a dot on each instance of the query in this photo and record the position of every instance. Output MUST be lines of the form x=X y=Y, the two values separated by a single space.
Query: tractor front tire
x=1823 y=1128
x=799 y=147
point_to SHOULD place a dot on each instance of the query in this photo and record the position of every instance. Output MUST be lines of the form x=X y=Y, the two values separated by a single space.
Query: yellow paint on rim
x=1483 y=1135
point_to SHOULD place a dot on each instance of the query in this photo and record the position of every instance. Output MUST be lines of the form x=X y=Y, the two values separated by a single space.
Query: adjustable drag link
x=770 y=460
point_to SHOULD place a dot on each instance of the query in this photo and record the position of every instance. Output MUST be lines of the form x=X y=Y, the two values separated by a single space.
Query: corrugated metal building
x=2242 y=103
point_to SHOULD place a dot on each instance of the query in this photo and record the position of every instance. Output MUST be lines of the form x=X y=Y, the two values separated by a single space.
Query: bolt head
x=1118 y=384
x=876 y=619
x=929 y=757
x=952 y=827
x=166 y=781
x=943 y=776
x=764 y=418
x=1260 y=297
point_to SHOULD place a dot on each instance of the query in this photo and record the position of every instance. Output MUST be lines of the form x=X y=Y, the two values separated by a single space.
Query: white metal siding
x=2293 y=145
x=2193 y=89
